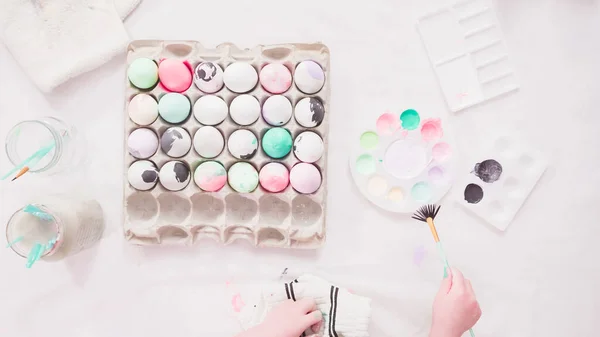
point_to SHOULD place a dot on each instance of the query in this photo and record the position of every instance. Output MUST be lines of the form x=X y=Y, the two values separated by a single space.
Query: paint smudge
x=436 y=174
x=284 y=272
x=387 y=124
x=419 y=255
x=421 y=192
x=395 y=194
x=377 y=186
x=441 y=152
x=488 y=170
x=365 y=164
x=369 y=140
x=473 y=193
x=237 y=303
x=410 y=119
x=432 y=130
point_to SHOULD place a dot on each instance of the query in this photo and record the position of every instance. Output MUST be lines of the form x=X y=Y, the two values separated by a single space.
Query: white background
x=539 y=278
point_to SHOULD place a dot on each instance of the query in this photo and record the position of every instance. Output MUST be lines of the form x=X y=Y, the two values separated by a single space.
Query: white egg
x=242 y=144
x=174 y=175
x=309 y=77
x=277 y=110
x=210 y=110
x=142 y=175
x=143 y=109
x=240 y=77
x=142 y=143
x=244 y=109
x=208 y=142
x=176 y=142
x=308 y=147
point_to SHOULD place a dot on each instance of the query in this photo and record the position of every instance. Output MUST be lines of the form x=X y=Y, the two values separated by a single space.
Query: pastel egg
x=274 y=177
x=175 y=75
x=174 y=108
x=305 y=178
x=242 y=144
x=308 y=147
x=210 y=110
x=244 y=109
x=143 y=109
x=309 y=112
x=210 y=176
x=277 y=110
x=275 y=78
x=277 y=142
x=143 y=73
x=176 y=142
x=242 y=177
x=208 y=142
x=142 y=175
x=309 y=77
x=142 y=143
x=208 y=77
x=240 y=77
x=174 y=175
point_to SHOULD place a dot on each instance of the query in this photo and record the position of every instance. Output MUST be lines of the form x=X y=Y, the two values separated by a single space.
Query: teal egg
x=277 y=142
x=174 y=108
x=143 y=73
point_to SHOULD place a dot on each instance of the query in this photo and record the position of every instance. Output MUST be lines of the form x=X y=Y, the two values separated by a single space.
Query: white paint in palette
x=466 y=49
x=522 y=167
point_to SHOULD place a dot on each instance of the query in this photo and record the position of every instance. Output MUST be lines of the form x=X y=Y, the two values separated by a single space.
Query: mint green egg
x=277 y=142
x=242 y=177
x=174 y=108
x=143 y=73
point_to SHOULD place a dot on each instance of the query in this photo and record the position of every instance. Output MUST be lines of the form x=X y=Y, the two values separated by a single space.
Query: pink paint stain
x=237 y=303
x=441 y=152
x=432 y=130
x=213 y=184
x=387 y=124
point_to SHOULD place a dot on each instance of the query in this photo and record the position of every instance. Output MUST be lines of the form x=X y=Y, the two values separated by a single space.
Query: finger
x=446 y=285
x=469 y=287
x=312 y=318
x=307 y=305
x=317 y=326
x=458 y=280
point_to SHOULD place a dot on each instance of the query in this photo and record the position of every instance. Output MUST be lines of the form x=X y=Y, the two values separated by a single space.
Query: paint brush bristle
x=427 y=211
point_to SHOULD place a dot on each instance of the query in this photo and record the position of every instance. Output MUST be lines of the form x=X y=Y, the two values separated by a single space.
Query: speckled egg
x=208 y=77
x=142 y=143
x=308 y=147
x=305 y=178
x=142 y=175
x=309 y=112
x=244 y=109
x=210 y=176
x=208 y=142
x=277 y=110
x=242 y=144
x=274 y=177
x=176 y=142
x=174 y=175
x=242 y=177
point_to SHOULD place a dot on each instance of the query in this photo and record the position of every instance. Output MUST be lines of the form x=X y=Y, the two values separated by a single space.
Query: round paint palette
x=403 y=161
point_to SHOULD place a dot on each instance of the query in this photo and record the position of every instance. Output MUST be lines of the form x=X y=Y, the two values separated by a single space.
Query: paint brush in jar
x=427 y=214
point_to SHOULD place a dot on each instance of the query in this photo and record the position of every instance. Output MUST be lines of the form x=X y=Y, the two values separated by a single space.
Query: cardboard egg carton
x=287 y=219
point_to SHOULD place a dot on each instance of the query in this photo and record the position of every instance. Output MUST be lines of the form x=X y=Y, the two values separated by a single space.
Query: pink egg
x=175 y=75
x=275 y=78
x=305 y=178
x=274 y=177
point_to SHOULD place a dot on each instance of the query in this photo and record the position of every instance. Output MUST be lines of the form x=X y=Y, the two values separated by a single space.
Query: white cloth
x=344 y=314
x=56 y=40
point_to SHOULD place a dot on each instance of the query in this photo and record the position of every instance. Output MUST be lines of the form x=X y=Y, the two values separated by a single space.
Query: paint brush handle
x=38 y=154
x=444 y=259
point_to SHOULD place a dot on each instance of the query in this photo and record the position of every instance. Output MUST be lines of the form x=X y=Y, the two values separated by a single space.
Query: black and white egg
x=142 y=175
x=176 y=142
x=208 y=77
x=277 y=110
x=174 y=175
x=242 y=144
x=309 y=112
x=308 y=147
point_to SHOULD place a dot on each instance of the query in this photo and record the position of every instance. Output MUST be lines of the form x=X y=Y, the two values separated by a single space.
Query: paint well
x=377 y=186
x=488 y=171
x=421 y=192
x=473 y=193
x=405 y=159
x=365 y=164
x=431 y=130
x=387 y=124
x=410 y=119
x=369 y=140
x=436 y=174
x=441 y=152
x=395 y=194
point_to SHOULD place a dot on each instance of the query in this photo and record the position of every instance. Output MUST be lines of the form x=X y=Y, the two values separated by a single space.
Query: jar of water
x=55 y=227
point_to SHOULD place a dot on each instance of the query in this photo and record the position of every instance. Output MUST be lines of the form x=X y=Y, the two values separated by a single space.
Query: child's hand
x=455 y=309
x=291 y=319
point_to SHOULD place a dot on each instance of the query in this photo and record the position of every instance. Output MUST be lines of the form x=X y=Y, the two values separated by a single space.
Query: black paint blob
x=248 y=155
x=206 y=72
x=473 y=193
x=169 y=138
x=318 y=111
x=488 y=170
x=149 y=176
x=182 y=172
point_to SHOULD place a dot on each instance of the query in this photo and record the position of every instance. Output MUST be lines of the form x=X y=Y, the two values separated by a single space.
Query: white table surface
x=539 y=278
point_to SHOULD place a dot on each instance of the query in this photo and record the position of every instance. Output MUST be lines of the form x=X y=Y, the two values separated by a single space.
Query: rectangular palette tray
x=287 y=219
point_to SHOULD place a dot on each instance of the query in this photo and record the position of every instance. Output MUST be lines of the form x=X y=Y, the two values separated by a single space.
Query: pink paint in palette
x=403 y=161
